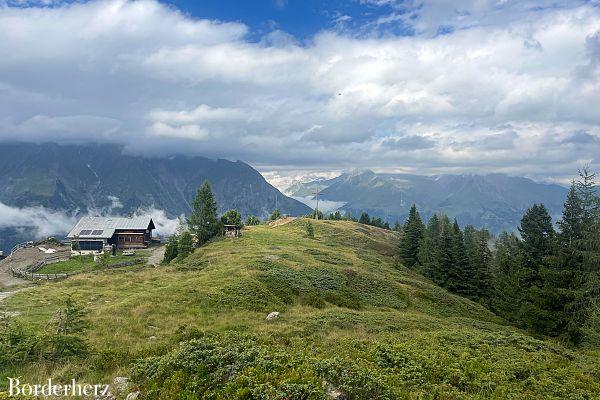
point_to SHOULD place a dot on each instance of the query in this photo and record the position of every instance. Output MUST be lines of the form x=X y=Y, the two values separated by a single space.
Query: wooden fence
x=29 y=272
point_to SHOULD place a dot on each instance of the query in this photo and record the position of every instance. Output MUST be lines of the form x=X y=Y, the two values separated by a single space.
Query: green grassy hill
x=353 y=323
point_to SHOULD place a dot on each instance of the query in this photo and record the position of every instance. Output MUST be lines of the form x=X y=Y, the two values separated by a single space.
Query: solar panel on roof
x=85 y=232
x=97 y=232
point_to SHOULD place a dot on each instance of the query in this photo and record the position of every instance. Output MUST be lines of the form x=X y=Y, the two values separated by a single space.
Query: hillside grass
x=87 y=264
x=352 y=319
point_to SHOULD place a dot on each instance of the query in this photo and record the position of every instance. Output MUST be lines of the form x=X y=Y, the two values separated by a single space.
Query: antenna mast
x=317 y=197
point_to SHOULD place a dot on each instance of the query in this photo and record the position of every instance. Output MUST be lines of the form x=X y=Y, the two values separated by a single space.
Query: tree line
x=544 y=279
x=363 y=219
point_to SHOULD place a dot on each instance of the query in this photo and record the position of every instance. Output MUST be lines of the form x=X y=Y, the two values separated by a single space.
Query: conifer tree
x=252 y=220
x=564 y=281
x=171 y=249
x=364 y=219
x=538 y=246
x=232 y=217
x=429 y=247
x=445 y=256
x=186 y=245
x=461 y=276
x=310 y=230
x=203 y=221
x=275 y=215
x=483 y=268
x=583 y=309
x=537 y=233
x=572 y=222
x=412 y=235
x=508 y=277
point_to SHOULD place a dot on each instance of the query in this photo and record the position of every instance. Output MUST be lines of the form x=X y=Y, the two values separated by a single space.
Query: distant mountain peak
x=83 y=179
x=495 y=201
x=361 y=171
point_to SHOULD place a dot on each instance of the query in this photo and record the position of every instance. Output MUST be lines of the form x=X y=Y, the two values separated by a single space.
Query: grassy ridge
x=352 y=320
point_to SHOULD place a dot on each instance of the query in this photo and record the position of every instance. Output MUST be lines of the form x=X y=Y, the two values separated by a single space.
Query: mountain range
x=101 y=179
x=494 y=201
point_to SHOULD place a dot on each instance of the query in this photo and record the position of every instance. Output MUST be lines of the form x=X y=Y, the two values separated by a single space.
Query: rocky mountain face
x=495 y=201
x=100 y=179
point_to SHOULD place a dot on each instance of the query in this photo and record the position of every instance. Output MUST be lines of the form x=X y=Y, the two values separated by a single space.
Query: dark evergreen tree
x=461 y=275
x=444 y=253
x=232 y=217
x=252 y=220
x=337 y=216
x=537 y=233
x=275 y=215
x=186 y=245
x=203 y=221
x=171 y=249
x=538 y=246
x=316 y=214
x=583 y=309
x=508 y=277
x=429 y=247
x=572 y=222
x=483 y=267
x=364 y=218
x=310 y=230
x=412 y=236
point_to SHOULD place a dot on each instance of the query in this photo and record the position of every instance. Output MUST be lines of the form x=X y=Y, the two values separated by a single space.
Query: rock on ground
x=133 y=396
x=273 y=316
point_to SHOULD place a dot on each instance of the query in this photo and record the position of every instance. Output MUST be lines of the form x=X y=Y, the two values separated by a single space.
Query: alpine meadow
x=300 y=200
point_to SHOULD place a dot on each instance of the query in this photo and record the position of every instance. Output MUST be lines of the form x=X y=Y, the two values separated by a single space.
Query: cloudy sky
x=297 y=87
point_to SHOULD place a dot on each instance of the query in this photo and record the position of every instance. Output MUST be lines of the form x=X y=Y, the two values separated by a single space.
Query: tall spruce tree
x=572 y=222
x=584 y=309
x=364 y=219
x=203 y=221
x=537 y=233
x=538 y=247
x=508 y=277
x=171 y=249
x=461 y=275
x=561 y=278
x=483 y=268
x=412 y=235
x=429 y=247
x=445 y=256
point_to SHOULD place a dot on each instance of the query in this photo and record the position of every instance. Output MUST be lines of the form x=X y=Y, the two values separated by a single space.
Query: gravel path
x=281 y=221
x=156 y=256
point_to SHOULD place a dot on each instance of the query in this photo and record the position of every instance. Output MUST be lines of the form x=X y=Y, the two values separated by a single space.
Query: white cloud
x=165 y=226
x=325 y=206
x=143 y=74
x=44 y=222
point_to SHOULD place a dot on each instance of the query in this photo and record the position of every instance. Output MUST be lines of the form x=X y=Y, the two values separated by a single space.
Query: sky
x=312 y=88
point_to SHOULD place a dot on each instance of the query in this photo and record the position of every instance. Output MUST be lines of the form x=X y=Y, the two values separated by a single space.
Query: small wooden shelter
x=232 y=231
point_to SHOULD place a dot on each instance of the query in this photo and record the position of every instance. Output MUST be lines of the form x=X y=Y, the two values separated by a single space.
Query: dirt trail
x=156 y=255
x=281 y=221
